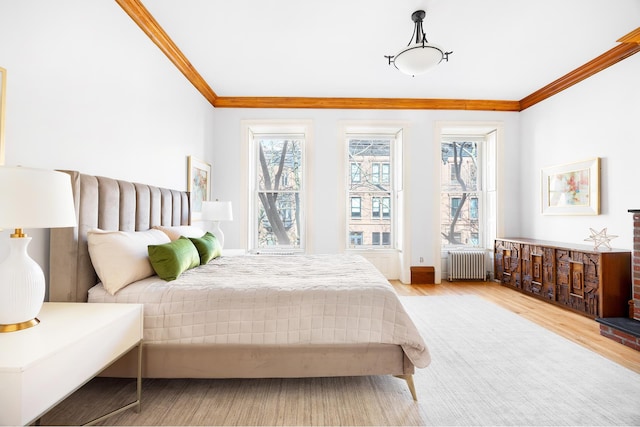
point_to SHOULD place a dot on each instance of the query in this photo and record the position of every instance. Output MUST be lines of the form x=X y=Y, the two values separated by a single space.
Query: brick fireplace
x=635 y=288
x=627 y=330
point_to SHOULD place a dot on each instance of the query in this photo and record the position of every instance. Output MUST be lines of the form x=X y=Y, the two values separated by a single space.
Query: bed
x=240 y=316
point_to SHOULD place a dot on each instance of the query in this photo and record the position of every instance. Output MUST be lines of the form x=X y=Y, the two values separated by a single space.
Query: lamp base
x=22 y=285
x=19 y=326
x=218 y=233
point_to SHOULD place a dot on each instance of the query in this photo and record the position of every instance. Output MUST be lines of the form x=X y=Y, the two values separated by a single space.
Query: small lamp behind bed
x=29 y=198
x=215 y=212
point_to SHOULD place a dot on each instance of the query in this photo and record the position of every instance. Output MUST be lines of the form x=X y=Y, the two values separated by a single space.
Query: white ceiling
x=502 y=49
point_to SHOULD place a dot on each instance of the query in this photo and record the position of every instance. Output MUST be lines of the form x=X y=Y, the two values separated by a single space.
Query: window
x=475 y=239
x=372 y=189
x=287 y=215
x=375 y=207
x=452 y=173
x=355 y=172
x=386 y=170
x=355 y=237
x=386 y=238
x=460 y=159
x=375 y=173
x=380 y=173
x=375 y=238
x=356 y=207
x=455 y=206
x=473 y=208
x=467 y=177
x=279 y=173
x=381 y=207
x=376 y=241
x=386 y=207
x=277 y=157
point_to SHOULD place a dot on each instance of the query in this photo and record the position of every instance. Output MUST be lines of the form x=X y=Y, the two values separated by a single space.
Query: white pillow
x=174 y=232
x=121 y=257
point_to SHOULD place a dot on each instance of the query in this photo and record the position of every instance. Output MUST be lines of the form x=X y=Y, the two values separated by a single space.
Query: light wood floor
x=573 y=326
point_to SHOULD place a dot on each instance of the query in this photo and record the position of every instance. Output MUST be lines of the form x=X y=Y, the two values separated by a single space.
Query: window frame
x=357 y=209
x=492 y=218
x=385 y=173
x=484 y=179
x=474 y=210
x=474 y=193
x=387 y=207
x=356 y=172
x=376 y=207
x=454 y=204
x=385 y=204
x=376 y=238
x=375 y=172
x=251 y=129
x=356 y=234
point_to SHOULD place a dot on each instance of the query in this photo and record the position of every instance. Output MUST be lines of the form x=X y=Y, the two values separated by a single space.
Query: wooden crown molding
x=366 y=103
x=630 y=44
x=141 y=16
x=632 y=37
x=592 y=67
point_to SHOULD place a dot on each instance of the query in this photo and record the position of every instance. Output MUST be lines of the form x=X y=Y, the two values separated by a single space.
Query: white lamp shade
x=216 y=211
x=35 y=198
x=418 y=58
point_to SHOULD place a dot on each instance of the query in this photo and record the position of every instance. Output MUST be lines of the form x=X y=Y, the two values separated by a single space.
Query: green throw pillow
x=170 y=260
x=208 y=247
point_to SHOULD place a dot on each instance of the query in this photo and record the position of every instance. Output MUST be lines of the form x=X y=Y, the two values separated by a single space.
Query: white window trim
x=248 y=202
x=479 y=191
x=469 y=128
x=399 y=256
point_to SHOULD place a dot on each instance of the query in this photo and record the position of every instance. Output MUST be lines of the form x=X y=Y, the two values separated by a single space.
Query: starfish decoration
x=600 y=238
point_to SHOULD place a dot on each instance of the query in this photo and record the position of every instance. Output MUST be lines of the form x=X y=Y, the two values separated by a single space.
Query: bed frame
x=112 y=204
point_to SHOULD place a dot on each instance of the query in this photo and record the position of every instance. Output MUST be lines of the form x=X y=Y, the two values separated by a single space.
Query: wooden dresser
x=596 y=283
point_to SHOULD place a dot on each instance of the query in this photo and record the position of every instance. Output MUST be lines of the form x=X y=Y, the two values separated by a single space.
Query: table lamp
x=215 y=212
x=29 y=198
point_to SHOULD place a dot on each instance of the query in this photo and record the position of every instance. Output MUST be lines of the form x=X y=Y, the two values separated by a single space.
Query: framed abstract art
x=572 y=189
x=198 y=184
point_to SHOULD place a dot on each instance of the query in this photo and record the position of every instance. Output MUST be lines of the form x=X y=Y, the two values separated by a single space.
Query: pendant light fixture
x=419 y=56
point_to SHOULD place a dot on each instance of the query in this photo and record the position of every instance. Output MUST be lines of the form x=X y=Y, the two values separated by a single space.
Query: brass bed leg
x=410 y=384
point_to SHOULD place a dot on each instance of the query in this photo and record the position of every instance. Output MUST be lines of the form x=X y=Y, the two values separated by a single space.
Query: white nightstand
x=74 y=342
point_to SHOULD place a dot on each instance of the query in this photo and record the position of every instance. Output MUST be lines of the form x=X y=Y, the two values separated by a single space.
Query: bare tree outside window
x=279 y=185
x=459 y=193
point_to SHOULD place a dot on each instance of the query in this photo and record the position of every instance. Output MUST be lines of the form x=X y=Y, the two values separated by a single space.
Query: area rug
x=490 y=367
x=493 y=367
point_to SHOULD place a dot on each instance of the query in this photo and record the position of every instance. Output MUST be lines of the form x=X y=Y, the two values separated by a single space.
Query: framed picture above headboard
x=198 y=184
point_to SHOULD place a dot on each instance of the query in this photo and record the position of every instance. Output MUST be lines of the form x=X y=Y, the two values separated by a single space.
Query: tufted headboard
x=108 y=204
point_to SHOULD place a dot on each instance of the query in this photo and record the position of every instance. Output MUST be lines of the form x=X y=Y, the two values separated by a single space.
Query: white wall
x=419 y=141
x=598 y=117
x=87 y=90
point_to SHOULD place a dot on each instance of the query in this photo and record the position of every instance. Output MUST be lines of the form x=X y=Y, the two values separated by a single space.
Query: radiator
x=467 y=265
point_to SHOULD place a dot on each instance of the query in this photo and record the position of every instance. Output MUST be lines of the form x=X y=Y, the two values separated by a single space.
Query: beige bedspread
x=261 y=299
